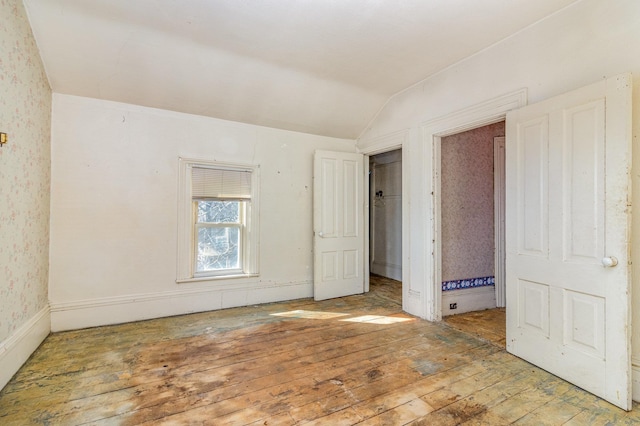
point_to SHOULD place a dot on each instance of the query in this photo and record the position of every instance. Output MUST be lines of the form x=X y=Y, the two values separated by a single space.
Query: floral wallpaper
x=467 y=203
x=25 y=165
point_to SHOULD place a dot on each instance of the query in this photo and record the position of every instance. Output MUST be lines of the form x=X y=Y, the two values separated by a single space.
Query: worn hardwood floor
x=490 y=324
x=354 y=360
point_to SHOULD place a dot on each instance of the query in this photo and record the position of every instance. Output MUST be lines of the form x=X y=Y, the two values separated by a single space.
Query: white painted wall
x=114 y=211
x=583 y=43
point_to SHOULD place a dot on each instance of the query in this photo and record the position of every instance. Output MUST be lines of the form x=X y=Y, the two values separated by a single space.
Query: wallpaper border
x=468 y=283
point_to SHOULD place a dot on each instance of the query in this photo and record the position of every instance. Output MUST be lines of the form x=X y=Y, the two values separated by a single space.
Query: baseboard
x=468 y=300
x=635 y=379
x=388 y=270
x=129 y=308
x=17 y=349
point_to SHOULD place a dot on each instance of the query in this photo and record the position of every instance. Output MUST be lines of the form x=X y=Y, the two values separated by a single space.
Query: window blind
x=208 y=184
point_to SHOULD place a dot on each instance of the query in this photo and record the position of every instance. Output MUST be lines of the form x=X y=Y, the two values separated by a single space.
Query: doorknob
x=320 y=234
x=609 y=262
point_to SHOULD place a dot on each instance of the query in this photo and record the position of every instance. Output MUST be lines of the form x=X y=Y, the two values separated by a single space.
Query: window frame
x=187 y=225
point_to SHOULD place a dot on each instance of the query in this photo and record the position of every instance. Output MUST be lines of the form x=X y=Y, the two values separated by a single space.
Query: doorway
x=385 y=216
x=468 y=219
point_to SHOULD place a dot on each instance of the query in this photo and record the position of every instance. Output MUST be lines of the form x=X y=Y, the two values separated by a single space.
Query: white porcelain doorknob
x=609 y=262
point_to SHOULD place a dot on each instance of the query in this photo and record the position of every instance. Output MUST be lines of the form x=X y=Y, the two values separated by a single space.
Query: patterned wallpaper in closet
x=25 y=165
x=467 y=203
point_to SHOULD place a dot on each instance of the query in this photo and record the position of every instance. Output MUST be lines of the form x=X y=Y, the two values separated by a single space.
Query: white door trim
x=489 y=112
x=499 y=219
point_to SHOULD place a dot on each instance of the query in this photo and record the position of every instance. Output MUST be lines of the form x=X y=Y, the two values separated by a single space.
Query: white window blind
x=220 y=184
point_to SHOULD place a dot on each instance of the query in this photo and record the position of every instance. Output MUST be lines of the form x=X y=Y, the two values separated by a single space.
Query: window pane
x=218 y=211
x=218 y=248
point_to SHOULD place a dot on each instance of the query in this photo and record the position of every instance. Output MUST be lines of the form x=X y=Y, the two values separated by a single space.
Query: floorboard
x=488 y=324
x=352 y=360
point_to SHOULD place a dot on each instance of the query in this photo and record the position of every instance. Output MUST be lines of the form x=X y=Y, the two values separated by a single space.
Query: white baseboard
x=388 y=270
x=468 y=300
x=121 y=309
x=635 y=379
x=17 y=349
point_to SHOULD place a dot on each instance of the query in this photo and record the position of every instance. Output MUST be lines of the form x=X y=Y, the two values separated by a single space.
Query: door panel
x=338 y=224
x=328 y=196
x=583 y=323
x=533 y=307
x=353 y=175
x=567 y=223
x=533 y=173
x=584 y=188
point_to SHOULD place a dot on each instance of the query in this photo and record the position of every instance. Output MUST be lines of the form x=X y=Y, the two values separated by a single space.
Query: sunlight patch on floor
x=378 y=319
x=309 y=314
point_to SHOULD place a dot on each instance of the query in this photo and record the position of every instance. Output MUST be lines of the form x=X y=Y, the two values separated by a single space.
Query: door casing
x=433 y=131
x=393 y=141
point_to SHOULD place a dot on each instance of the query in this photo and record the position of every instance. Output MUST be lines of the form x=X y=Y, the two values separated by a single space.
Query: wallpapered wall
x=25 y=162
x=467 y=203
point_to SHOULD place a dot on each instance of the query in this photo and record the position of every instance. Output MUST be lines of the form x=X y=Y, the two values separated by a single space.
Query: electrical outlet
x=453 y=306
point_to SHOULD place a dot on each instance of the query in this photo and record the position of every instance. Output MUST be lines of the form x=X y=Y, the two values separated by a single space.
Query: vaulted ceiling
x=317 y=66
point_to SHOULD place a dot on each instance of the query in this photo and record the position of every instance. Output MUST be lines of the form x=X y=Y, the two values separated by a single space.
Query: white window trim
x=185 y=237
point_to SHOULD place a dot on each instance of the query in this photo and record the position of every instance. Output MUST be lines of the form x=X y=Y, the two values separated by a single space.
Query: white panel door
x=338 y=222
x=567 y=228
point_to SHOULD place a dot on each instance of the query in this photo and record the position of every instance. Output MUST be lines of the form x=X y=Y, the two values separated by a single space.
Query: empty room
x=243 y=212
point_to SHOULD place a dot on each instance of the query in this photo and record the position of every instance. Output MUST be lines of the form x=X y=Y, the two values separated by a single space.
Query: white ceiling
x=317 y=66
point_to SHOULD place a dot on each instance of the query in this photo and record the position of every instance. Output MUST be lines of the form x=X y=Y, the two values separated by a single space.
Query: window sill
x=215 y=278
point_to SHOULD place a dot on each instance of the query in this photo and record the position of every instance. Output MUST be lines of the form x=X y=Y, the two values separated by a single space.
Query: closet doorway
x=385 y=216
x=471 y=219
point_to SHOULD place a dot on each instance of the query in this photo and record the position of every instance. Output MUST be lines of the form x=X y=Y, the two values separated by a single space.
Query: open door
x=338 y=224
x=567 y=237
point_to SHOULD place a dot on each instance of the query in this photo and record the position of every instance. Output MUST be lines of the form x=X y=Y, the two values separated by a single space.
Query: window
x=217 y=221
x=218 y=229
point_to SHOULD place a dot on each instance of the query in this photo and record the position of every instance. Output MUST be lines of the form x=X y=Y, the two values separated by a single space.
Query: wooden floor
x=354 y=360
x=490 y=325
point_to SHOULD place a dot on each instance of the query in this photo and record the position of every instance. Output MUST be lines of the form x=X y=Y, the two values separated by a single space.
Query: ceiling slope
x=324 y=67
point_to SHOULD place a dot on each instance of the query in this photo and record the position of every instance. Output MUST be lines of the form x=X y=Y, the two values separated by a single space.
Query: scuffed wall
x=114 y=203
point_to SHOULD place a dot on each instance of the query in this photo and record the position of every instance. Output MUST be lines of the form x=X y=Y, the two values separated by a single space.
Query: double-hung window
x=218 y=221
